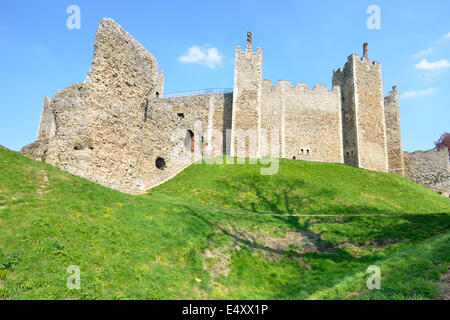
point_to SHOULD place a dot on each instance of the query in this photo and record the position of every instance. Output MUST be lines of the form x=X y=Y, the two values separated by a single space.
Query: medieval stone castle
x=118 y=129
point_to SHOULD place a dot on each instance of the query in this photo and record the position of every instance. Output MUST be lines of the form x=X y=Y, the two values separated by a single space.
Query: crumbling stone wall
x=98 y=124
x=429 y=168
x=393 y=134
x=309 y=120
x=46 y=127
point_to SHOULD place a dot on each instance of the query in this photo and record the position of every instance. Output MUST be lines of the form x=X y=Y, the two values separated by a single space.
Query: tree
x=444 y=141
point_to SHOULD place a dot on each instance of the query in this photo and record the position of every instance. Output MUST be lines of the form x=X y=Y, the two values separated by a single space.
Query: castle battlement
x=297 y=87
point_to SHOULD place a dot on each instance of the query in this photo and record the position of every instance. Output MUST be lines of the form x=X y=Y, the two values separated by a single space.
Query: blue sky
x=194 y=41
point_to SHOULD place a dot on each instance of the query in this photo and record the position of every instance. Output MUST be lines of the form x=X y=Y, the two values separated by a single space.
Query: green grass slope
x=302 y=187
x=221 y=232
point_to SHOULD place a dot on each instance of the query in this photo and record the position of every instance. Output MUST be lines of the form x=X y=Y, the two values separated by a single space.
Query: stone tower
x=247 y=91
x=393 y=134
x=363 y=121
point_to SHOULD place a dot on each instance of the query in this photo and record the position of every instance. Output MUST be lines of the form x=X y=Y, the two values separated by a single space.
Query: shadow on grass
x=264 y=194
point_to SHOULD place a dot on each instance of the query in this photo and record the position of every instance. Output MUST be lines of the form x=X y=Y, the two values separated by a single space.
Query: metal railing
x=196 y=92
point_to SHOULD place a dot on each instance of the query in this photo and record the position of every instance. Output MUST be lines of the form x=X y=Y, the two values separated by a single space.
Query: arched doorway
x=189 y=141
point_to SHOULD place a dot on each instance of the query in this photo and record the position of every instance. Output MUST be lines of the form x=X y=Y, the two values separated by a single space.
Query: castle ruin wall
x=393 y=134
x=429 y=168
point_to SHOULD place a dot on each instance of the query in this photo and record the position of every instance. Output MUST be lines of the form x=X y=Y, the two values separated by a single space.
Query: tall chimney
x=248 y=46
x=365 y=54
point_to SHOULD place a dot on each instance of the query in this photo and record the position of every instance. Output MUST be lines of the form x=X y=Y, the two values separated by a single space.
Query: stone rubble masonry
x=364 y=132
x=46 y=127
x=393 y=134
x=247 y=91
x=99 y=131
x=309 y=120
x=429 y=168
x=117 y=130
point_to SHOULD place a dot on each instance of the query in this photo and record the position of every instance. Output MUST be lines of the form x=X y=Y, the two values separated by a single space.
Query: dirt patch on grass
x=444 y=286
x=42 y=188
x=219 y=260
x=273 y=247
x=291 y=245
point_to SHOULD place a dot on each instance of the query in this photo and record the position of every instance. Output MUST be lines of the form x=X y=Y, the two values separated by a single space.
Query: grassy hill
x=221 y=232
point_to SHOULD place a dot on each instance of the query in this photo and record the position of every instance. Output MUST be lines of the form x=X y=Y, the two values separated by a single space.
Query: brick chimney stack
x=248 y=46
x=365 y=54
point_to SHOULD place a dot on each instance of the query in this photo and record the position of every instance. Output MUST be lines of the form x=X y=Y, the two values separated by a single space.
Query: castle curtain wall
x=309 y=120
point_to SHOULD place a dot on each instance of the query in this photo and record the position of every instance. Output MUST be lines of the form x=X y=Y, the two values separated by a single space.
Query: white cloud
x=210 y=57
x=436 y=65
x=432 y=46
x=422 y=53
x=414 y=93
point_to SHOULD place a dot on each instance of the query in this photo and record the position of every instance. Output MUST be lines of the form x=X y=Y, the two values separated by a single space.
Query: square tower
x=247 y=90
x=363 y=119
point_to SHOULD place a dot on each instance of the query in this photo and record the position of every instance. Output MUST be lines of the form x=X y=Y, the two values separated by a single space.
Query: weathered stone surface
x=309 y=120
x=36 y=150
x=98 y=123
x=47 y=121
x=246 y=119
x=430 y=168
x=363 y=113
x=393 y=134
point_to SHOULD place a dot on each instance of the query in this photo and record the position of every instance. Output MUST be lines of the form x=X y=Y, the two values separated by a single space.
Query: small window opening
x=160 y=163
x=301 y=151
x=180 y=115
x=157 y=94
x=307 y=151
x=294 y=158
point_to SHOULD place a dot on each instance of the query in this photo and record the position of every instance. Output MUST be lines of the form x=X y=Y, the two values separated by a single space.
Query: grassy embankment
x=221 y=232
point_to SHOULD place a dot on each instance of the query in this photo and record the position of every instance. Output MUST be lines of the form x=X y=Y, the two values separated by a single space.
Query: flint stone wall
x=429 y=168
x=46 y=127
x=99 y=123
x=308 y=120
x=246 y=111
x=393 y=134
